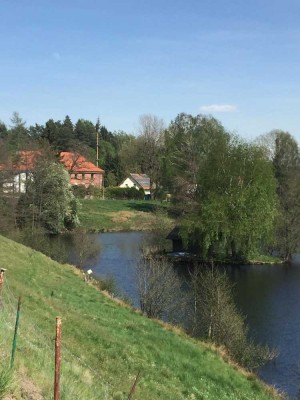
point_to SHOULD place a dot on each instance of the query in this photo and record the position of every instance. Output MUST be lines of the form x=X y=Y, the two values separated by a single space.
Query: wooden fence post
x=2 y=272
x=134 y=385
x=57 y=359
x=14 y=345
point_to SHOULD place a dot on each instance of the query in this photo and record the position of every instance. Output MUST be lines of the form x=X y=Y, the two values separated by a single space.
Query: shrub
x=217 y=318
x=79 y=191
x=109 y=285
x=94 y=191
x=159 y=288
x=118 y=193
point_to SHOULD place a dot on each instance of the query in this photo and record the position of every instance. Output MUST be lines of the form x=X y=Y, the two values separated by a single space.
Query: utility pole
x=97 y=148
x=98 y=126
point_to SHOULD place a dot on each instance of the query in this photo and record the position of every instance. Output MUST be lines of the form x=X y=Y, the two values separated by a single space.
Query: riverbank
x=105 y=343
x=122 y=215
x=98 y=215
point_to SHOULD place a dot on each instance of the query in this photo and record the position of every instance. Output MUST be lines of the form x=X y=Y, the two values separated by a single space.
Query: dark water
x=268 y=295
x=118 y=257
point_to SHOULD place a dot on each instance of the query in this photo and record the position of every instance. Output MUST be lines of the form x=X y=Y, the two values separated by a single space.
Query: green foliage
x=225 y=187
x=238 y=199
x=49 y=201
x=124 y=193
x=3 y=129
x=80 y=191
x=111 y=179
x=287 y=171
x=187 y=141
x=85 y=132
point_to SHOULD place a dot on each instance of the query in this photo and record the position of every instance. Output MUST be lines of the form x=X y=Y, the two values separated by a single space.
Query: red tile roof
x=73 y=162
x=25 y=161
x=77 y=163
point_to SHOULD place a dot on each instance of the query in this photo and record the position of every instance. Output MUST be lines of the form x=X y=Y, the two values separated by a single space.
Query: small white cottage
x=139 y=181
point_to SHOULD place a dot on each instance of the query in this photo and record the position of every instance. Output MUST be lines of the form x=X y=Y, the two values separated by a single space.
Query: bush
x=217 y=318
x=109 y=285
x=118 y=193
x=159 y=288
x=79 y=191
x=94 y=191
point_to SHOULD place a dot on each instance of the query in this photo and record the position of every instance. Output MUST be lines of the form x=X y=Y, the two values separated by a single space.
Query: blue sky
x=238 y=60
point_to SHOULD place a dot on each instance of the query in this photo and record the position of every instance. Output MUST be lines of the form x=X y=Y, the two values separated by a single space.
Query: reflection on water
x=118 y=257
x=268 y=295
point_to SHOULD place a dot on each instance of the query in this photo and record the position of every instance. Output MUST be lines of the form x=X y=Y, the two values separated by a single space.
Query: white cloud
x=56 y=56
x=221 y=108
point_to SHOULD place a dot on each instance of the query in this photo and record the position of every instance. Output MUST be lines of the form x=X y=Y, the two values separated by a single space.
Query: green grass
x=264 y=259
x=105 y=344
x=121 y=215
x=6 y=382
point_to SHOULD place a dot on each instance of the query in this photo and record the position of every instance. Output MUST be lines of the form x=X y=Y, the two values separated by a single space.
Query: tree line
x=233 y=199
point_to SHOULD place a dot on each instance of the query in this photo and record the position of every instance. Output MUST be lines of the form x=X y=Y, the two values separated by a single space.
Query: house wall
x=86 y=179
x=130 y=183
x=18 y=185
x=20 y=182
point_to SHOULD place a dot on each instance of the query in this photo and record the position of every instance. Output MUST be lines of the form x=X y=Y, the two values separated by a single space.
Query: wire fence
x=39 y=345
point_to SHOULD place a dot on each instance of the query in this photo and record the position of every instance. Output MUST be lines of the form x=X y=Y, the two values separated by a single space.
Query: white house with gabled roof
x=139 y=181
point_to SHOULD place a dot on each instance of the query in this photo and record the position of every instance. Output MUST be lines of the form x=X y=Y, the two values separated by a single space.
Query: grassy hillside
x=104 y=343
x=121 y=215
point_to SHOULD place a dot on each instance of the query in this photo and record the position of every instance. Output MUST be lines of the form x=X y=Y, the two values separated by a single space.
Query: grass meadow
x=122 y=215
x=104 y=343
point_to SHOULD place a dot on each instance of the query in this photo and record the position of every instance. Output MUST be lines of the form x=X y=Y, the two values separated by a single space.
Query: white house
x=139 y=181
x=18 y=185
x=14 y=174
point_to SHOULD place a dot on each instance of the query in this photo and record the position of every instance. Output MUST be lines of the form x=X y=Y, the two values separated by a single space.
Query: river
x=269 y=295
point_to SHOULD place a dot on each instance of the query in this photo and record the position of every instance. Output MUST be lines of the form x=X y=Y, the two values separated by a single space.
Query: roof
x=24 y=161
x=73 y=162
x=77 y=163
x=142 y=179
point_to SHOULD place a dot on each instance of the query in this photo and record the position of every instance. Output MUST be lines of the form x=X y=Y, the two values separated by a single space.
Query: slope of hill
x=104 y=343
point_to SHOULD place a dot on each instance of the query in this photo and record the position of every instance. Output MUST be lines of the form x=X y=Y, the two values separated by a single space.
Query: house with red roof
x=81 y=171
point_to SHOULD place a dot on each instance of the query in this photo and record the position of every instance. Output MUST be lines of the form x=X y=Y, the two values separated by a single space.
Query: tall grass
x=6 y=381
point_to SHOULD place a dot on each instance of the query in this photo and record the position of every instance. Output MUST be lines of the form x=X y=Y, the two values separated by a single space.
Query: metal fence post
x=14 y=346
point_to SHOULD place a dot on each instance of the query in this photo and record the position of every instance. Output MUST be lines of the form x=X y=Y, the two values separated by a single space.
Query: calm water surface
x=268 y=295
